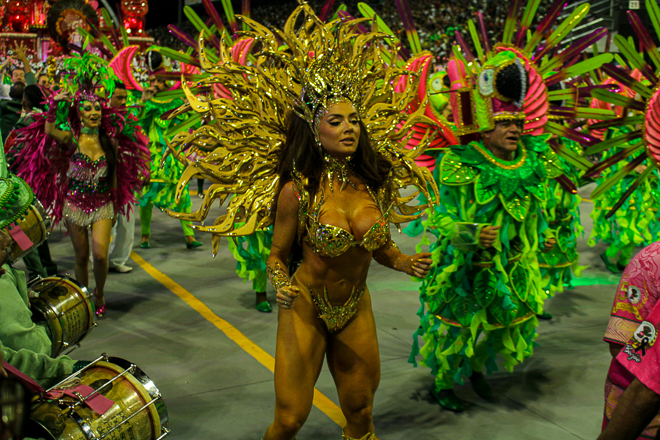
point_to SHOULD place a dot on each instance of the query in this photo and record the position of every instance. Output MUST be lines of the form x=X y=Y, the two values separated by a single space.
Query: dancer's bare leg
x=80 y=239
x=301 y=343
x=354 y=361
x=101 y=231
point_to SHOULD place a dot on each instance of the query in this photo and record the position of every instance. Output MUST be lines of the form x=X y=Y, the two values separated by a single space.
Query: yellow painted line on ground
x=326 y=405
x=588 y=200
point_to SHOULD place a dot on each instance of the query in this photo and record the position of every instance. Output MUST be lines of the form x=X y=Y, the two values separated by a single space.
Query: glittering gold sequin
x=336 y=317
x=277 y=276
x=501 y=163
x=332 y=241
x=333 y=167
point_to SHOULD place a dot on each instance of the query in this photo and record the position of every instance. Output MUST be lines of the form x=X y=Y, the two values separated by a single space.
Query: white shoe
x=122 y=268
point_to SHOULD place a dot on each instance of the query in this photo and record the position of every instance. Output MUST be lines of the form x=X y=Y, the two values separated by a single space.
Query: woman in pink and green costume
x=85 y=160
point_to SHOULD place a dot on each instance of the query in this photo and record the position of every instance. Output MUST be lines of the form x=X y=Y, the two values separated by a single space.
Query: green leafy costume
x=472 y=293
x=251 y=253
x=635 y=223
x=161 y=189
x=563 y=216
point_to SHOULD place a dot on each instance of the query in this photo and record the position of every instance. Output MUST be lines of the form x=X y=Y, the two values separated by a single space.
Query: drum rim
x=148 y=385
x=137 y=379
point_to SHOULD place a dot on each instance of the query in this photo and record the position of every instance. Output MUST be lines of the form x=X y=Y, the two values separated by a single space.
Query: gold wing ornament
x=295 y=69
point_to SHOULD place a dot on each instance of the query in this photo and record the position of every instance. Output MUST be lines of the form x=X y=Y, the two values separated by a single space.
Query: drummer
x=26 y=345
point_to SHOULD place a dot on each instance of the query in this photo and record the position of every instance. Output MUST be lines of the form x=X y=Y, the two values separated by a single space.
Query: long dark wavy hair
x=302 y=154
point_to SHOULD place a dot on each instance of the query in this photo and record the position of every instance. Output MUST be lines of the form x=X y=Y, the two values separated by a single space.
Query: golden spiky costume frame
x=297 y=69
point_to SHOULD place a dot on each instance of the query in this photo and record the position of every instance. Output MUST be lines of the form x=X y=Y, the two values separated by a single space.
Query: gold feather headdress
x=302 y=70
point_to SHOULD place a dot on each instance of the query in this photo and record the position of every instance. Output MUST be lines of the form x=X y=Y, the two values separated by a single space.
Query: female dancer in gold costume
x=326 y=307
x=291 y=146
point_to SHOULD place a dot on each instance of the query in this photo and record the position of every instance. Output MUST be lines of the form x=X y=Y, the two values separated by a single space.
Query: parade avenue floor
x=189 y=322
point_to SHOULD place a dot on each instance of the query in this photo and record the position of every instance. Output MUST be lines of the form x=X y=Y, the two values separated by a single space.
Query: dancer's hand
x=548 y=244
x=63 y=96
x=287 y=296
x=488 y=236
x=420 y=264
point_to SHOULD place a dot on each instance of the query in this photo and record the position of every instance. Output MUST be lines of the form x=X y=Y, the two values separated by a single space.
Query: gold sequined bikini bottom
x=336 y=317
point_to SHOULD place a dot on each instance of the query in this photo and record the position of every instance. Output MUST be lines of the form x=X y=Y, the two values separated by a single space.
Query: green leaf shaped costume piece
x=161 y=189
x=563 y=216
x=472 y=293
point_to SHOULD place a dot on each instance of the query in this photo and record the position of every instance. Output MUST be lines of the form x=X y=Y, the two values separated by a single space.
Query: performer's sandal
x=545 y=316
x=100 y=311
x=193 y=244
x=448 y=400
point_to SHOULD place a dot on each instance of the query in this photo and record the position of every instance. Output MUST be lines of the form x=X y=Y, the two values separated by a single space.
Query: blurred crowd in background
x=435 y=20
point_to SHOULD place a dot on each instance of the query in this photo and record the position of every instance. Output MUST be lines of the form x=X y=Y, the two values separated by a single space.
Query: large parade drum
x=135 y=411
x=66 y=307
x=35 y=225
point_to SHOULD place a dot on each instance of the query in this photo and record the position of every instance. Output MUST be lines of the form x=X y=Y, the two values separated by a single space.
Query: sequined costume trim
x=336 y=317
x=334 y=167
x=87 y=218
x=329 y=240
x=278 y=277
x=88 y=198
x=332 y=241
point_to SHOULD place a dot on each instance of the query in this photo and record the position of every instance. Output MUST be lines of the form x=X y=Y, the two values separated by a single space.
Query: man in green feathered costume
x=490 y=226
x=161 y=189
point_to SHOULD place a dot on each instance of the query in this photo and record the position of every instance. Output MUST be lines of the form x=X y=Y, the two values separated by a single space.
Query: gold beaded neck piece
x=333 y=166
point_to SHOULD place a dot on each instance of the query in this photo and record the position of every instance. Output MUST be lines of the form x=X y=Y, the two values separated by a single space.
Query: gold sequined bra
x=332 y=241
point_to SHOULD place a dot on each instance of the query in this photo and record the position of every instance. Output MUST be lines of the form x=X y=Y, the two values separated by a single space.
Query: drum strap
x=22 y=240
x=98 y=403
x=23 y=378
